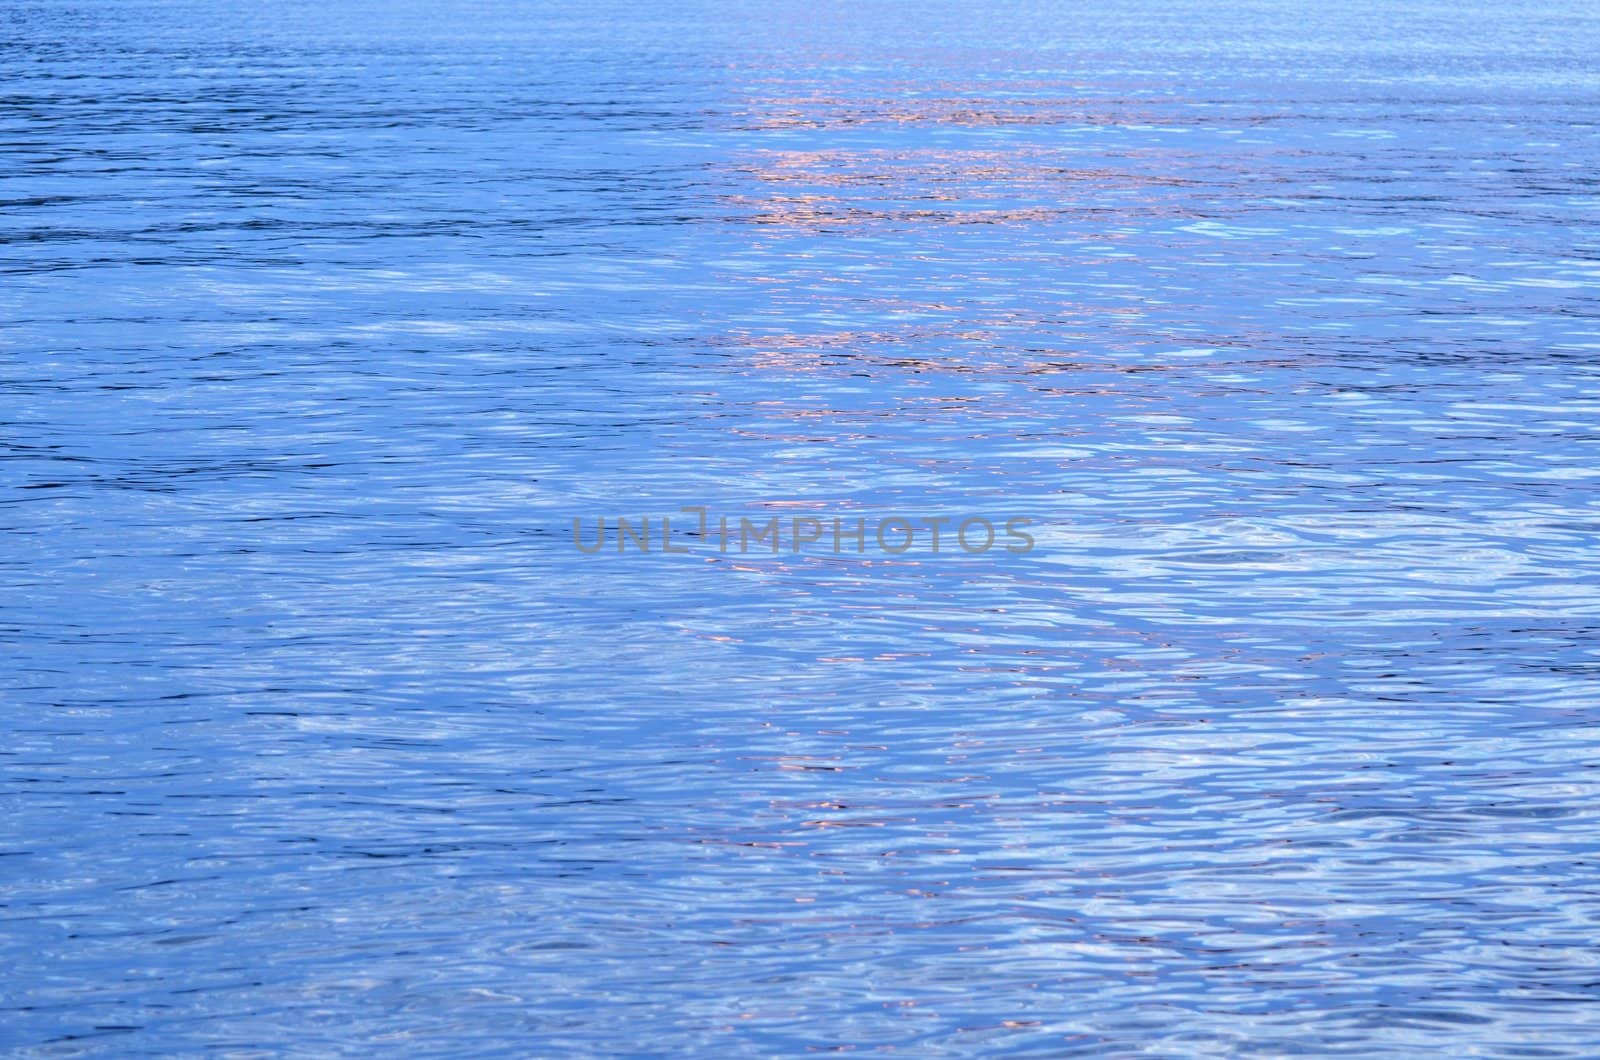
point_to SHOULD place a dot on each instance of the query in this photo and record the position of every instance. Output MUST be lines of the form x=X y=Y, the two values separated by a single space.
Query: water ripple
x=323 y=324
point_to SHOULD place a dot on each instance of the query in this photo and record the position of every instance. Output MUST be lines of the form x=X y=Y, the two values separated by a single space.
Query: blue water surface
x=320 y=322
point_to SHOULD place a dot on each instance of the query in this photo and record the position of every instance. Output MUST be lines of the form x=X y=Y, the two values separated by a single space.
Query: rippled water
x=323 y=321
